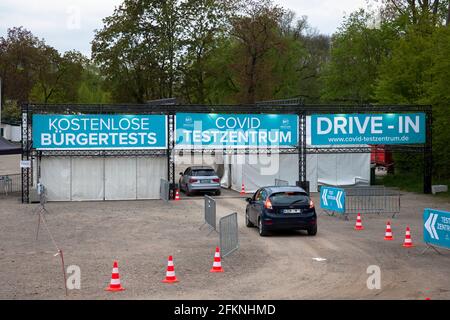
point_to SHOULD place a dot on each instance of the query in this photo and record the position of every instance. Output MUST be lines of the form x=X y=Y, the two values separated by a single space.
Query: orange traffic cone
x=217 y=265
x=242 y=188
x=388 y=233
x=177 y=195
x=408 y=242
x=358 y=225
x=115 y=279
x=170 y=273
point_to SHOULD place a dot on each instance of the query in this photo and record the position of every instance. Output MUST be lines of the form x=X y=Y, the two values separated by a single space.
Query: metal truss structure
x=290 y=106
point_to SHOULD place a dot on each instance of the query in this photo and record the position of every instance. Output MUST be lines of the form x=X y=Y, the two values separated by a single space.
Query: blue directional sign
x=332 y=198
x=388 y=128
x=436 y=227
x=99 y=131
x=236 y=130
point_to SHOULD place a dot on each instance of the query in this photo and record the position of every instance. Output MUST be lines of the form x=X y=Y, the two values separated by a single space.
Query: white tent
x=342 y=169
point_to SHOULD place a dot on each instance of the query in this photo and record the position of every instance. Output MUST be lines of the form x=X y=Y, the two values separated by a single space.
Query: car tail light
x=193 y=180
x=268 y=204
x=311 y=204
x=217 y=180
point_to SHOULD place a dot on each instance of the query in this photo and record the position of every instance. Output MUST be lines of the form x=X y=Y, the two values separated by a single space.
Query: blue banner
x=81 y=132
x=336 y=129
x=436 y=227
x=236 y=130
x=332 y=198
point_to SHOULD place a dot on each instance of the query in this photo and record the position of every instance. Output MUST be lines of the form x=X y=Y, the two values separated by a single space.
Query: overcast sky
x=70 y=24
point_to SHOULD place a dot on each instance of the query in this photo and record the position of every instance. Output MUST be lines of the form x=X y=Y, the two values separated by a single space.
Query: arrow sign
x=332 y=199
x=430 y=225
x=324 y=197
x=436 y=227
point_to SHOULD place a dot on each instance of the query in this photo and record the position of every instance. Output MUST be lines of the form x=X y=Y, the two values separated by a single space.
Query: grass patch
x=410 y=183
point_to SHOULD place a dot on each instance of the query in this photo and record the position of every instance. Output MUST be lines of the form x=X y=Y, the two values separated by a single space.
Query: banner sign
x=236 y=130
x=332 y=199
x=436 y=227
x=82 y=132
x=390 y=128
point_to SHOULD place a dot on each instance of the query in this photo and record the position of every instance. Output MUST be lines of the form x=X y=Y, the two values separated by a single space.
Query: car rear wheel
x=248 y=223
x=261 y=229
x=312 y=231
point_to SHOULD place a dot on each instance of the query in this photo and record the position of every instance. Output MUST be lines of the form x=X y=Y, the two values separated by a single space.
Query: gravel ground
x=142 y=234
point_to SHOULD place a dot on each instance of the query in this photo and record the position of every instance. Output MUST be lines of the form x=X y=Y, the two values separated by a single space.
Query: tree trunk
x=448 y=15
x=252 y=84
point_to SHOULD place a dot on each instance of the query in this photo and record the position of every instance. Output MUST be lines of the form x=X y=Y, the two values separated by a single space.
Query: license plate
x=292 y=210
x=205 y=181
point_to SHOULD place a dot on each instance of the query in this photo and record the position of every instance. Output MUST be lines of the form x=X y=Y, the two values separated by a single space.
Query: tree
x=58 y=77
x=204 y=25
x=416 y=12
x=92 y=86
x=356 y=53
x=138 y=50
x=19 y=55
x=306 y=53
x=257 y=33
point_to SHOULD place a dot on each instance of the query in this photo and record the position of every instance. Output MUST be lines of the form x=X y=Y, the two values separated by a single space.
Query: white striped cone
x=408 y=241
x=177 y=195
x=217 y=265
x=114 y=285
x=388 y=234
x=358 y=225
x=170 y=273
x=242 y=188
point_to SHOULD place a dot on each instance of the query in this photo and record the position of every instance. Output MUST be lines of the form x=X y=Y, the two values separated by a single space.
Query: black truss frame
x=293 y=106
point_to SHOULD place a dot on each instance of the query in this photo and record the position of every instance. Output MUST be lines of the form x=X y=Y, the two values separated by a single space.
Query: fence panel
x=229 y=240
x=164 y=190
x=280 y=183
x=374 y=199
x=10 y=183
x=210 y=212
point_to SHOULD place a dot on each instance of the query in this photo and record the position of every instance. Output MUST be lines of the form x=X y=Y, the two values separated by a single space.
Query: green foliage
x=356 y=53
x=410 y=182
x=403 y=77
x=11 y=111
x=34 y=71
x=91 y=89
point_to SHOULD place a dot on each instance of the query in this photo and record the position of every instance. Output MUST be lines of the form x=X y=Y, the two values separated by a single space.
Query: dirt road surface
x=142 y=234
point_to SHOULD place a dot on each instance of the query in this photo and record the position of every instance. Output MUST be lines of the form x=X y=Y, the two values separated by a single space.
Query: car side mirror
x=249 y=200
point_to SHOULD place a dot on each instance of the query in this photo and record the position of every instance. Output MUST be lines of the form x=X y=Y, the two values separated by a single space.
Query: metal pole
x=428 y=153
x=1 y=100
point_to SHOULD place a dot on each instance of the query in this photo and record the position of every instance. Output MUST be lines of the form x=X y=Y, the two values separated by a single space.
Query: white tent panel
x=88 y=179
x=120 y=178
x=353 y=169
x=55 y=176
x=330 y=169
x=149 y=173
x=311 y=171
x=264 y=172
x=288 y=161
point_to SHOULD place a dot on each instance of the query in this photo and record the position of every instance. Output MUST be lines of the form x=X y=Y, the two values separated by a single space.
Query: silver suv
x=199 y=178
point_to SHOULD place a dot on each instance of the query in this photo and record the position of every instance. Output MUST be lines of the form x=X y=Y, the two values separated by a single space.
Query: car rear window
x=286 y=198
x=203 y=172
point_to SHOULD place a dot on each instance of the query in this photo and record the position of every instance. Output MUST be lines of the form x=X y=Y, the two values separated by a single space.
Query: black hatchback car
x=281 y=208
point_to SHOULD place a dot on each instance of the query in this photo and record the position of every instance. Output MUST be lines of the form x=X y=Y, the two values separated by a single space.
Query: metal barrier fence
x=210 y=213
x=10 y=183
x=164 y=190
x=229 y=240
x=373 y=199
x=280 y=183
